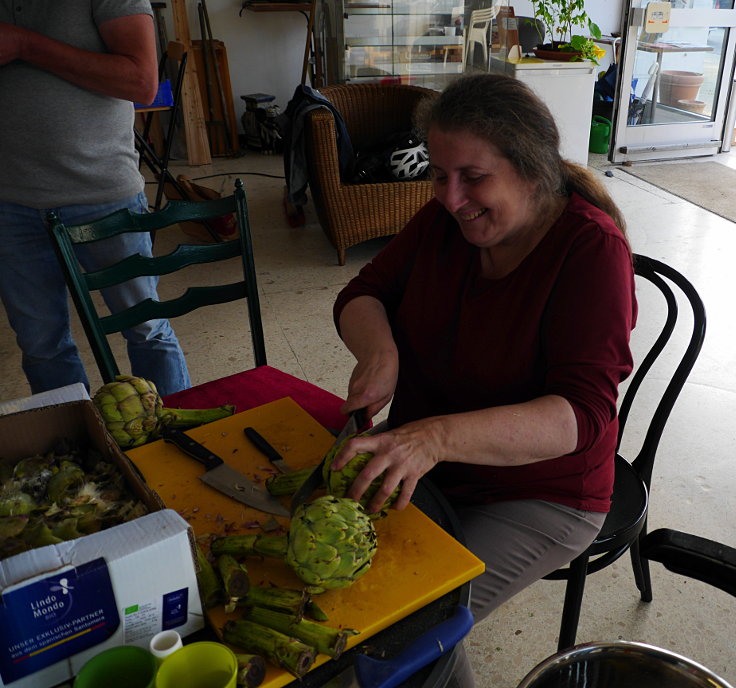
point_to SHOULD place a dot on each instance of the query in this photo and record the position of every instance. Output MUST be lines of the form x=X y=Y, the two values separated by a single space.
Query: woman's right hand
x=372 y=383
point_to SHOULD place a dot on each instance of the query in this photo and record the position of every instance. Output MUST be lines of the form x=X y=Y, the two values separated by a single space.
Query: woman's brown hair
x=506 y=113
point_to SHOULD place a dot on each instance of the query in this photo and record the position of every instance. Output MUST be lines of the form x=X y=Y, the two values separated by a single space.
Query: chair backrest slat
x=190 y=300
x=139 y=266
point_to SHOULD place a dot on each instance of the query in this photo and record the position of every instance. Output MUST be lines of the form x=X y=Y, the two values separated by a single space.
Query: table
x=261 y=385
x=659 y=49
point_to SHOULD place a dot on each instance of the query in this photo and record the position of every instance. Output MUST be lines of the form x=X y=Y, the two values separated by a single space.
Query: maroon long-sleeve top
x=557 y=324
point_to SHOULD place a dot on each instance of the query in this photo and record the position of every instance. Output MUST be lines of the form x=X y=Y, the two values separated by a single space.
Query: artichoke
x=331 y=542
x=134 y=413
x=339 y=482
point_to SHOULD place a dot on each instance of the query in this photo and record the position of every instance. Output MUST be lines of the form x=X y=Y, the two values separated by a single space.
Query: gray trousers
x=520 y=542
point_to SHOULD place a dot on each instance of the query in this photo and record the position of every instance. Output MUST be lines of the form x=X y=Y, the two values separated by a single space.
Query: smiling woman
x=514 y=418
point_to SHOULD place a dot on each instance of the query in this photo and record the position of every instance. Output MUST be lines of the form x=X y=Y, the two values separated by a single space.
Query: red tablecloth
x=259 y=386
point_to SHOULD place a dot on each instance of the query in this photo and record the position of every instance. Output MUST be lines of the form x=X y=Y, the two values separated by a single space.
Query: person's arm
x=366 y=332
x=512 y=435
x=128 y=71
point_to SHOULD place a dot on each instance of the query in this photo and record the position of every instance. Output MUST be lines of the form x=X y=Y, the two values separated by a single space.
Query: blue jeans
x=33 y=291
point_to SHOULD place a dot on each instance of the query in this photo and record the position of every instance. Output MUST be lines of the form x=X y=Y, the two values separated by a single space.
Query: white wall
x=265 y=49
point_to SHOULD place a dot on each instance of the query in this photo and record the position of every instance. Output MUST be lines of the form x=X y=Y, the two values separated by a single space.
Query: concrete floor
x=694 y=476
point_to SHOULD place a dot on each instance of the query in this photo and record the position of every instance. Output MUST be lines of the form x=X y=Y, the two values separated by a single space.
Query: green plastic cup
x=199 y=665
x=125 y=666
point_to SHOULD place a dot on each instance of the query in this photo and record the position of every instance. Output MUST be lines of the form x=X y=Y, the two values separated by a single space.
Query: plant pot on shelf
x=551 y=51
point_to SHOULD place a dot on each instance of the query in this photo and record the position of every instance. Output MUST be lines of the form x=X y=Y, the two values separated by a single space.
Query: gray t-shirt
x=61 y=144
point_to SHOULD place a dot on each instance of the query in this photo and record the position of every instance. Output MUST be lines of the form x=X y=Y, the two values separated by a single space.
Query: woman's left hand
x=402 y=456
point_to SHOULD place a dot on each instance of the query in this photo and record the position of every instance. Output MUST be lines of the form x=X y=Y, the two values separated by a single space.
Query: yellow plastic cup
x=124 y=666
x=199 y=665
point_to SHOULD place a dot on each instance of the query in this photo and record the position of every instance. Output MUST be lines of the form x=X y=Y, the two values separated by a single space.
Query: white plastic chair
x=477 y=32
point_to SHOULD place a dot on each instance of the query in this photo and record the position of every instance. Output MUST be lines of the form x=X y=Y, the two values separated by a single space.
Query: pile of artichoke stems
x=273 y=624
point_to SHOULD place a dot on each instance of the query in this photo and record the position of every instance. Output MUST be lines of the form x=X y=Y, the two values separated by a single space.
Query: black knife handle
x=191 y=447
x=262 y=444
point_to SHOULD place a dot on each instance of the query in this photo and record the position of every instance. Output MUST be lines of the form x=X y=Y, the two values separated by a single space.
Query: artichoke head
x=339 y=482
x=134 y=412
x=130 y=407
x=331 y=543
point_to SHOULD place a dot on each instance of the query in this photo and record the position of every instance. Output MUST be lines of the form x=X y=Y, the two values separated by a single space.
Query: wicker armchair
x=353 y=213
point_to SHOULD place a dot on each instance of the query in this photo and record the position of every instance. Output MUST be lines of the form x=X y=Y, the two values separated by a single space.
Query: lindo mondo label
x=55 y=617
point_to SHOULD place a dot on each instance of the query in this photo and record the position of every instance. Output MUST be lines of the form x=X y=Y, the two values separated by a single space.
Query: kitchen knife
x=367 y=672
x=267 y=450
x=222 y=477
x=356 y=421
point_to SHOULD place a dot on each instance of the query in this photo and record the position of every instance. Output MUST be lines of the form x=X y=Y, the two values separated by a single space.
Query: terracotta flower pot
x=675 y=85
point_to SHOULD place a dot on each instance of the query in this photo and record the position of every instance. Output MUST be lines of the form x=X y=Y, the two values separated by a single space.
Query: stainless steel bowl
x=620 y=664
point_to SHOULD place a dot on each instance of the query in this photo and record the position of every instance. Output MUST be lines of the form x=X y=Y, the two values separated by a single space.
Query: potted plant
x=560 y=17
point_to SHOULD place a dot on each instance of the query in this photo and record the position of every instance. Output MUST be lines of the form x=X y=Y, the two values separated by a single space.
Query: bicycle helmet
x=410 y=160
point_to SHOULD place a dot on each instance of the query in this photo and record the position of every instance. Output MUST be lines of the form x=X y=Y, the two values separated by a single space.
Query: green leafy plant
x=560 y=17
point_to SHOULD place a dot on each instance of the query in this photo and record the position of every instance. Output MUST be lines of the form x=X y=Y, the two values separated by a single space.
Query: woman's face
x=492 y=204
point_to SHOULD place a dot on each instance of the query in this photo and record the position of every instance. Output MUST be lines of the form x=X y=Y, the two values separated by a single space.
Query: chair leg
x=641 y=570
x=573 y=601
x=341 y=256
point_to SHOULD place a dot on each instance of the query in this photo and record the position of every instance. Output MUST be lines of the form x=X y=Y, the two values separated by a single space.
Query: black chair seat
x=628 y=510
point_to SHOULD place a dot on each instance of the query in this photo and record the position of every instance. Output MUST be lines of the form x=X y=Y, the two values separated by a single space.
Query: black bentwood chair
x=81 y=284
x=626 y=523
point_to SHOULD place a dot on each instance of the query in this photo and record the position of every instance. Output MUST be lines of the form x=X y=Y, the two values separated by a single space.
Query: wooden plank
x=218 y=144
x=195 y=129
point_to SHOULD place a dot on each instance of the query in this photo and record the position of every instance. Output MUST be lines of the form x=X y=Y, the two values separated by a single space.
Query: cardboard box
x=62 y=604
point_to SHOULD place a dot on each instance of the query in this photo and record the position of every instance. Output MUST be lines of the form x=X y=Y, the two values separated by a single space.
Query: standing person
x=69 y=74
x=497 y=323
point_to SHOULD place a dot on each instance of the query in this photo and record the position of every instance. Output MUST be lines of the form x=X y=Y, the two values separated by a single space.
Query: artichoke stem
x=316 y=612
x=287 y=483
x=180 y=418
x=251 y=670
x=288 y=653
x=234 y=576
x=328 y=641
x=210 y=586
x=281 y=599
x=244 y=545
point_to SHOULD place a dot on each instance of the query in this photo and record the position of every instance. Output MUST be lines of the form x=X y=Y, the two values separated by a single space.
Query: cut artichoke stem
x=280 y=649
x=234 y=576
x=314 y=611
x=180 y=418
x=251 y=670
x=281 y=599
x=287 y=483
x=324 y=639
x=245 y=545
x=209 y=583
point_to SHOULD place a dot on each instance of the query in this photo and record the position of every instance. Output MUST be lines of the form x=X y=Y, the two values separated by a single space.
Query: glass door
x=675 y=86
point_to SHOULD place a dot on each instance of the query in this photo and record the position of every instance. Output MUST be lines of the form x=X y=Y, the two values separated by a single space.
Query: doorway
x=675 y=87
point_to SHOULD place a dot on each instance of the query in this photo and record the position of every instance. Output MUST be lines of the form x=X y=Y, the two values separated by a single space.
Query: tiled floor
x=694 y=475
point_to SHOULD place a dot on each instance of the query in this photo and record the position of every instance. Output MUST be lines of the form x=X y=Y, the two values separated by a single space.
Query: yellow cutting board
x=416 y=562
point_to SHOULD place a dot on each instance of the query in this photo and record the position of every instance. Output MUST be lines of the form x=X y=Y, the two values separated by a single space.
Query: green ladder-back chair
x=81 y=284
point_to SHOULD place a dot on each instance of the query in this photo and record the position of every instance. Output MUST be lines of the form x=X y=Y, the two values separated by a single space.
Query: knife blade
x=355 y=422
x=367 y=672
x=267 y=449
x=222 y=477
